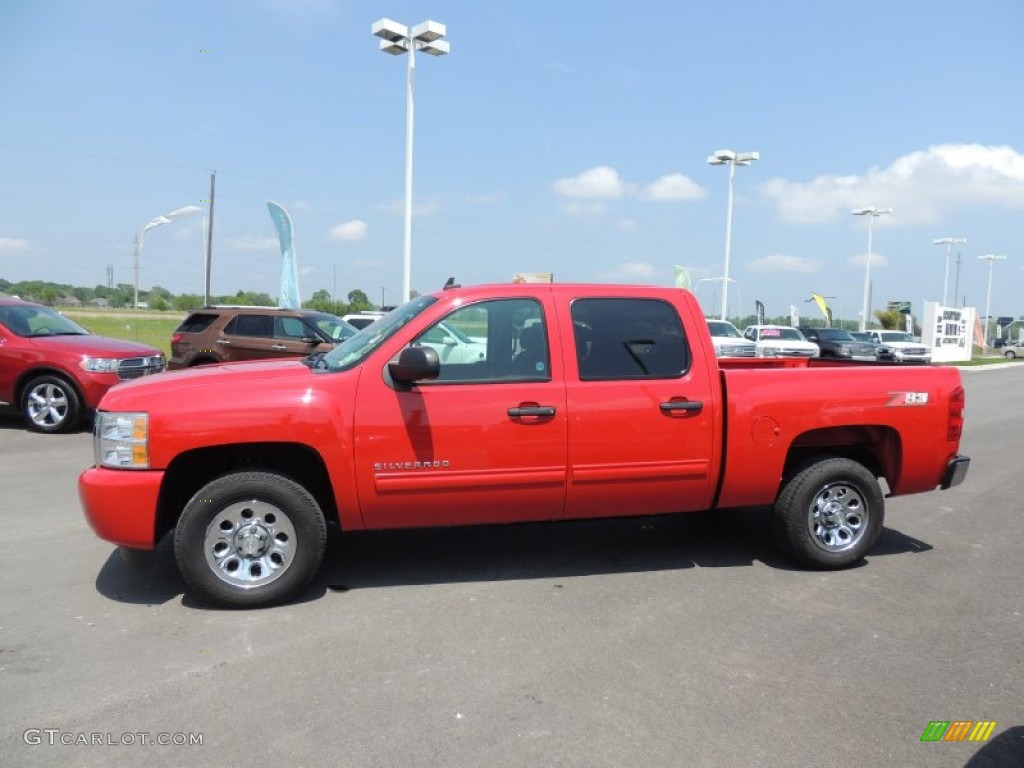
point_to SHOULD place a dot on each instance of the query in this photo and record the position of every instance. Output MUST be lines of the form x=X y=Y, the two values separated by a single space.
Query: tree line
x=158 y=298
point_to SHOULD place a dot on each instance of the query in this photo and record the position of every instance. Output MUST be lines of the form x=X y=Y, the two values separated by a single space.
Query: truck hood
x=93 y=346
x=222 y=383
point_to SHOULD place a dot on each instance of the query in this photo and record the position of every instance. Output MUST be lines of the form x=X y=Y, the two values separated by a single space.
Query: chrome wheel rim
x=47 y=405
x=838 y=517
x=249 y=544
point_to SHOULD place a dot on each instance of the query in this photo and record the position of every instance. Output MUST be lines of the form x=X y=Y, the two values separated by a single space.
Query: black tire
x=250 y=539
x=829 y=514
x=50 y=403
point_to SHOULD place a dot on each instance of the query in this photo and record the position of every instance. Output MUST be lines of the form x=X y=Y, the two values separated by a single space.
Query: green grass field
x=150 y=328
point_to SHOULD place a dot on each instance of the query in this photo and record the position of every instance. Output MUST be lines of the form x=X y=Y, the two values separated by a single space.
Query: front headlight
x=844 y=349
x=121 y=440
x=100 y=364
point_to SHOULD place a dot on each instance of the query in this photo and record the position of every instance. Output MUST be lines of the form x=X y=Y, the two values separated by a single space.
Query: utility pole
x=209 y=239
x=956 y=290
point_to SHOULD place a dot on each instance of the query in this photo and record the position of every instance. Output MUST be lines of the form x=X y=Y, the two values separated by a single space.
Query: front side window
x=354 y=350
x=628 y=339
x=501 y=340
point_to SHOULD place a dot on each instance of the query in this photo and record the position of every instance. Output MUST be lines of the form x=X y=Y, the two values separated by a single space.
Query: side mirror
x=415 y=364
x=314 y=340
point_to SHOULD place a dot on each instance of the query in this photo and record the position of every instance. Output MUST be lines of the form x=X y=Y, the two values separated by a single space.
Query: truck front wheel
x=250 y=539
x=829 y=514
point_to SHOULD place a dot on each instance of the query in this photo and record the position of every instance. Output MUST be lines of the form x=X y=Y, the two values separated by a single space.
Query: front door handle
x=682 y=405
x=278 y=346
x=543 y=411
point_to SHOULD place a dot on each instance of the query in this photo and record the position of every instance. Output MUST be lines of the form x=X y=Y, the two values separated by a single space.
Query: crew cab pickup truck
x=588 y=401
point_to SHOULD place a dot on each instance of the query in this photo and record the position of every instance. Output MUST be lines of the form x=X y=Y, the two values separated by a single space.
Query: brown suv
x=224 y=334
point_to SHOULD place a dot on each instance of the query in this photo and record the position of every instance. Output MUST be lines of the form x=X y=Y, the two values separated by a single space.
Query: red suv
x=53 y=370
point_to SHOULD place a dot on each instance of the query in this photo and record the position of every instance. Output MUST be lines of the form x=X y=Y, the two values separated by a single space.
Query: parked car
x=904 y=347
x=54 y=371
x=779 y=341
x=728 y=341
x=882 y=352
x=224 y=334
x=835 y=342
x=1013 y=350
x=362 y=319
x=453 y=345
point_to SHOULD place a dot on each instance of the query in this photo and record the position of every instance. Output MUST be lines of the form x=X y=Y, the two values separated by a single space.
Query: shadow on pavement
x=361 y=559
x=1004 y=751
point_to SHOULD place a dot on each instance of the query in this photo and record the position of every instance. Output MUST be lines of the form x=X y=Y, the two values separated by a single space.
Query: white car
x=452 y=345
x=903 y=346
x=728 y=341
x=780 y=341
x=362 y=319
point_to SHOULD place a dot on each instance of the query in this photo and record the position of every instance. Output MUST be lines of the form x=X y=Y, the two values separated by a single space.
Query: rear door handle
x=682 y=405
x=519 y=412
x=278 y=346
x=225 y=342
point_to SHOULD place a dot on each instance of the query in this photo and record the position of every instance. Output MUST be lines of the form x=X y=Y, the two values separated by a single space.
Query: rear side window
x=251 y=325
x=196 y=322
x=628 y=339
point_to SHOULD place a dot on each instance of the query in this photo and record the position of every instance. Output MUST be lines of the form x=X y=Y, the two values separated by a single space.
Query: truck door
x=641 y=411
x=483 y=443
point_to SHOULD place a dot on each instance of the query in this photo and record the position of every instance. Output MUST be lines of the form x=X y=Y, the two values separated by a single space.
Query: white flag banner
x=167 y=218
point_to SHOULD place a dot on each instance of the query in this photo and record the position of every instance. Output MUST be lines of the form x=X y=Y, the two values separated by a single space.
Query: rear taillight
x=176 y=338
x=955 y=425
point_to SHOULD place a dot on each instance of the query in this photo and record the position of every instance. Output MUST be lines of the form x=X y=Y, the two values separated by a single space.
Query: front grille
x=794 y=352
x=134 y=367
x=915 y=351
x=737 y=350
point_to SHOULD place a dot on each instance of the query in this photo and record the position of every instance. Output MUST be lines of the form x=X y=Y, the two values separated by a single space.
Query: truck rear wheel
x=250 y=539
x=829 y=514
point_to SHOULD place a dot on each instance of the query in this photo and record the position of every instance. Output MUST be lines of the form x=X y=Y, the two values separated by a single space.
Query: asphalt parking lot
x=685 y=641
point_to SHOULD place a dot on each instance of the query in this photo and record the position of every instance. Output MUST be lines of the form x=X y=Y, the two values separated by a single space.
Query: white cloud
x=631 y=271
x=301 y=205
x=781 y=263
x=675 y=186
x=583 y=210
x=922 y=186
x=485 y=198
x=252 y=243
x=13 y=245
x=601 y=183
x=306 y=271
x=626 y=225
x=369 y=263
x=861 y=260
x=349 y=232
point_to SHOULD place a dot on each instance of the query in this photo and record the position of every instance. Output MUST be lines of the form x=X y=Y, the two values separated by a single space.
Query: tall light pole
x=872 y=213
x=949 y=242
x=991 y=259
x=732 y=159
x=397 y=39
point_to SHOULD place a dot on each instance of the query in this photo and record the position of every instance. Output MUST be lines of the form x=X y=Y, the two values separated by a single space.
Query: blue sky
x=561 y=137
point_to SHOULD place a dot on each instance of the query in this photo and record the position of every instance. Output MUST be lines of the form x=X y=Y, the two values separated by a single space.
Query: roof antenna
x=451 y=284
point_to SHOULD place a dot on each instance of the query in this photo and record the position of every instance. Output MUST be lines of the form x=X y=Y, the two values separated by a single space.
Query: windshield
x=896 y=336
x=32 y=321
x=721 y=328
x=790 y=334
x=834 y=334
x=333 y=326
x=861 y=336
x=351 y=352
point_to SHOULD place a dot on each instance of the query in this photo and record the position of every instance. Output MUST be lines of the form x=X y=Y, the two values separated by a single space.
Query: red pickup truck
x=587 y=401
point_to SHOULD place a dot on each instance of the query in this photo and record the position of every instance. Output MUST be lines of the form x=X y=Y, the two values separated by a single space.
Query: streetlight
x=159 y=221
x=991 y=259
x=873 y=213
x=732 y=159
x=397 y=39
x=949 y=242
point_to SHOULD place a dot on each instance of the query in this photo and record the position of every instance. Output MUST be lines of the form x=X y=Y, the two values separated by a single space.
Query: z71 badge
x=908 y=398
